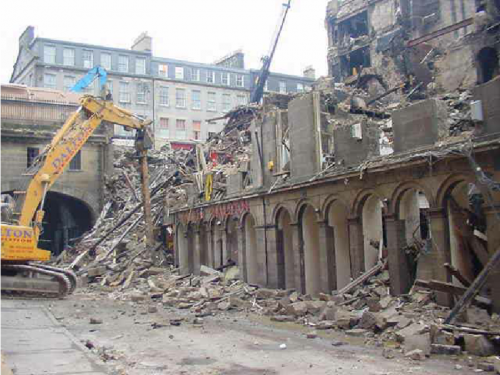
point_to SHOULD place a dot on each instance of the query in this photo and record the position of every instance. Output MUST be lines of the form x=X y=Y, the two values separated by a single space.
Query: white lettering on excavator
x=61 y=161
x=16 y=233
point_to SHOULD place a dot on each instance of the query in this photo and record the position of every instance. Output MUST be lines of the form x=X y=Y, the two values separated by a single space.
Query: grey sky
x=194 y=30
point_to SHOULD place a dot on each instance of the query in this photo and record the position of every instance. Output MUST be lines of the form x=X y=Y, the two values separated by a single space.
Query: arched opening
x=337 y=219
x=466 y=223
x=182 y=251
x=414 y=211
x=232 y=241
x=373 y=230
x=284 y=250
x=252 y=264
x=66 y=219
x=309 y=230
x=487 y=60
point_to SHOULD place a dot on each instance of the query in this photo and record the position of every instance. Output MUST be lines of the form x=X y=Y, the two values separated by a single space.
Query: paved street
x=34 y=343
x=47 y=337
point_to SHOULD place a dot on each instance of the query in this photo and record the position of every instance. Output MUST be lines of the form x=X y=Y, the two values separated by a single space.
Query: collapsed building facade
x=388 y=162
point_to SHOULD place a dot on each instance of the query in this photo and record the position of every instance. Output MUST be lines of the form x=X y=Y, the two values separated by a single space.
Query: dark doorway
x=66 y=219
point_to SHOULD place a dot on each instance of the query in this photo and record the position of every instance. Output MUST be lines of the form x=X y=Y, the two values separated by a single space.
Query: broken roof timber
x=440 y=32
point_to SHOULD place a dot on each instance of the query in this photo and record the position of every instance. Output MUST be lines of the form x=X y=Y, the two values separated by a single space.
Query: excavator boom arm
x=66 y=144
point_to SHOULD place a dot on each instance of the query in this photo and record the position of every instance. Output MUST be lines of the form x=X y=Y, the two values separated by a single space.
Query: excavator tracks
x=49 y=282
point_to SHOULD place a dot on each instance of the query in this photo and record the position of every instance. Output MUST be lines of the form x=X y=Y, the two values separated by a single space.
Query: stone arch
x=90 y=199
x=309 y=255
x=328 y=201
x=361 y=198
x=411 y=205
x=284 y=248
x=402 y=188
x=371 y=206
x=301 y=204
x=448 y=184
x=336 y=215
x=277 y=211
x=463 y=249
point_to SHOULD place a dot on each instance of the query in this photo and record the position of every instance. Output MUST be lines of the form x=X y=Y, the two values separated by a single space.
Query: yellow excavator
x=20 y=235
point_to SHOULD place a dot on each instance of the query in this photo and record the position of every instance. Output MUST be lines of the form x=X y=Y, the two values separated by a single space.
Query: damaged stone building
x=450 y=44
x=30 y=116
x=391 y=161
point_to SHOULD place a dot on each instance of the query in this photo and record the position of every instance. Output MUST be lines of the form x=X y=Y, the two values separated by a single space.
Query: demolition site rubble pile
x=118 y=237
x=410 y=324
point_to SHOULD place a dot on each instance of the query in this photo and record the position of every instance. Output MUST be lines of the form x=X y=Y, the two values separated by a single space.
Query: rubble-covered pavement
x=206 y=323
x=134 y=334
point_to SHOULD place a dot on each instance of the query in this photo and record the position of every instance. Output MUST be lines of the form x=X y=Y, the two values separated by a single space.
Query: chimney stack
x=310 y=72
x=143 y=43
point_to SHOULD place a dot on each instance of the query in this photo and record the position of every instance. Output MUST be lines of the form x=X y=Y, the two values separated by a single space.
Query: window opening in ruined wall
x=283 y=142
x=487 y=62
x=32 y=154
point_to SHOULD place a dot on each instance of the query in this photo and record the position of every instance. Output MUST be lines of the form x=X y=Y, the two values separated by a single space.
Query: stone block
x=352 y=150
x=478 y=345
x=297 y=309
x=489 y=94
x=446 y=349
x=421 y=124
x=303 y=145
x=421 y=341
x=96 y=271
x=478 y=316
x=411 y=330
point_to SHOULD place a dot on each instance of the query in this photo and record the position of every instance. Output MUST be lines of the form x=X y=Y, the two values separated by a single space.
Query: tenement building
x=181 y=96
x=386 y=163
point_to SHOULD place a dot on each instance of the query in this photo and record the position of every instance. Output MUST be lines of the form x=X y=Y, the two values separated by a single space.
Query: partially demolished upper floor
x=305 y=138
x=440 y=45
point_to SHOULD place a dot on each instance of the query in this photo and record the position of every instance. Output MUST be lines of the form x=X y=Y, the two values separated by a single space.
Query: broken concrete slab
x=478 y=345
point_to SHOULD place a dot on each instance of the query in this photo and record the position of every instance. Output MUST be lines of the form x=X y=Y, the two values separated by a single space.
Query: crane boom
x=266 y=60
x=96 y=72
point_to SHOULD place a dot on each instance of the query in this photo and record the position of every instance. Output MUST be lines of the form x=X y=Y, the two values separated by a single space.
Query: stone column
x=196 y=251
x=431 y=263
x=210 y=248
x=357 y=245
x=272 y=258
x=242 y=251
x=398 y=265
x=225 y=246
x=261 y=256
x=298 y=254
x=327 y=265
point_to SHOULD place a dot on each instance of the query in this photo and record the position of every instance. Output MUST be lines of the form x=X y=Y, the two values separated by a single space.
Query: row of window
x=197 y=101
x=181 y=73
x=49 y=57
x=163 y=96
x=166 y=131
